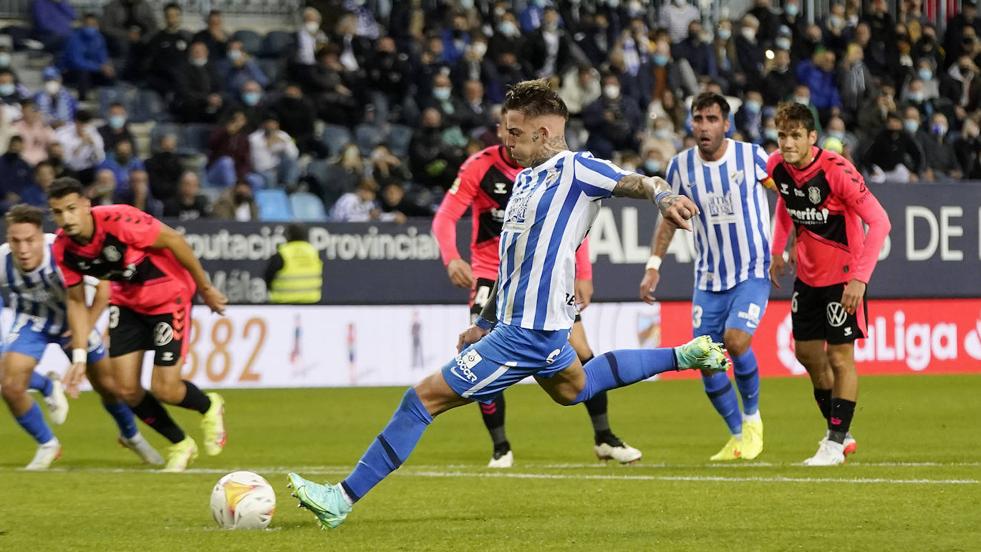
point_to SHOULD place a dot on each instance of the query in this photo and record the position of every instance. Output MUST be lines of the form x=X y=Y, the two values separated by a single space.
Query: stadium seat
x=273 y=68
x=399 y=137
x=336 y=137
x=195 y=139
x=273 y=205
x=251 y=41
x=149 y=107
x=276 y=44
x=125 y=94
x=367 y=137
x=162 y=129
x=307 y=207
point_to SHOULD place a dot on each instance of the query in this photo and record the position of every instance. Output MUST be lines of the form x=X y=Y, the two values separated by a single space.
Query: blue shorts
x=741 y=307
x=24 y=339
x=506 y=356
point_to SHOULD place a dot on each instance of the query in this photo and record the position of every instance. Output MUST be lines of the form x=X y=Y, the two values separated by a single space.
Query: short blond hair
x=535 y=98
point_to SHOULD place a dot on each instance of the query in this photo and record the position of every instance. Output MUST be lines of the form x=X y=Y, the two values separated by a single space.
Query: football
x=243 y=500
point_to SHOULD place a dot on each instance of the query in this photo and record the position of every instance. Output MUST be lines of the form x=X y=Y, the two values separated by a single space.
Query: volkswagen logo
x=836 y=314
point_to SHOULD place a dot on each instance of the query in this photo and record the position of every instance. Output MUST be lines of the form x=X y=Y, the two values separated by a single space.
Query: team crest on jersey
x=111 y=253
x=737 y=177
x=163 y=334
x=814 y=194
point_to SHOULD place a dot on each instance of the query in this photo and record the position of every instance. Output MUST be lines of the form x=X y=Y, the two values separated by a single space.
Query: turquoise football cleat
x=702 y=354
x=327 y=502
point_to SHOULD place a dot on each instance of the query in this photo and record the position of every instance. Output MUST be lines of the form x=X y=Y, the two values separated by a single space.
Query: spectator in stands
x=872 y=116
x=6 y=60
x=769 y=20
x=476 y=65
x=252 y=103
x=836 y=129
x=332 y=86
x=297 y=117
x=238 y=68
x=675 y=17
x=580 y=87
x=361 y=205
x=924 y=86
x=116 y=128
x=476 y=115
x=802 y=95
x=310 y=39
x=856 y=81
x=53 y=20
x=928 y=47
x=968 y=148
x=893 y=155
x=85 y=60
x=37 y=134
x=509 y=71
x=138 y=194
x=779 y=82
x=127 y=24
x=808 y=43
x=122 y=162
x=940 y=157
x=56 y=158
x=955 y=29
x=668 y=107
x=354 y=49
x=214 y=36
x=882 y=52
x=237 y=203
x=16 y=178
x=724 y=51
x=548 y=50
x=44 y=175
x=613 y=122
x=818 y=75
x=55 y=102
x=7 y=129
x=386 y=168
x=83 y=146
x=749 y=54
x=791 y=25
x=164 y=52
x=667 y=73
x=456 y=38
x=164 y=169
x=189 y=203
x=697 y=50
x=432 y=159
x=274 y=155
x=229 y=155
x=507 y=37
x=198 y=96
x=749 y=118
x=450 y=107
x=388 y=75
x=397 y=206
x=962 y=84
x=102 y=188
x=12 y=93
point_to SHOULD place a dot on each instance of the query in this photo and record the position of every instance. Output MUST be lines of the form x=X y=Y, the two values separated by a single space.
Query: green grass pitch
x=915 y=483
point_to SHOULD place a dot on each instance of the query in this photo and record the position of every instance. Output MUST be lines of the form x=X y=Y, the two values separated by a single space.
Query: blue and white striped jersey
x=732 y=233
x=551 y=209
x=37 y=297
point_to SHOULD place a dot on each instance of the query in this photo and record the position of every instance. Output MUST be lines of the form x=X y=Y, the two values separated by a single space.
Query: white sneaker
x=505 y=460
x=57 y=403
x=829 y=453
x=625 y=454
x=46 y=454
x=850 y=444
x=139 y=445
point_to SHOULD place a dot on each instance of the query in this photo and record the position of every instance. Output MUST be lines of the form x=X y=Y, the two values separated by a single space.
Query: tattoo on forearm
x=662 y=238
x=634 y=186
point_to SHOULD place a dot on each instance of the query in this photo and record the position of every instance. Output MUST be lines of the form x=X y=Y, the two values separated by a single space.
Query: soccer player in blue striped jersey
x=29 y=275
x=524 y=329
x=726 y=179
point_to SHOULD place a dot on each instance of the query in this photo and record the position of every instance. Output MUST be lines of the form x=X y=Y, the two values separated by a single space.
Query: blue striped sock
x=33 y=423
x=123 y=416
x=620 y=368
x=723 y=396
x=748 y=381
x=391 y=448
x=41 y=383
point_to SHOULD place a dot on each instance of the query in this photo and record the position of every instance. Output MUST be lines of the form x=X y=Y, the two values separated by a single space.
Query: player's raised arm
x=675 y=208
x=168 y=238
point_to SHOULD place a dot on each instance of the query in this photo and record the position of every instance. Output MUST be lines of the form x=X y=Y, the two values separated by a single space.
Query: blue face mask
x=792 y=10
x=117 y=121
x=925 y=74
x=442 y=94
x=652 y=166
x=911 y=126
x=753 y=106
x=251 y=98
x=7 y=89
x=660 y=60
x=771 y=134
x=836 y=134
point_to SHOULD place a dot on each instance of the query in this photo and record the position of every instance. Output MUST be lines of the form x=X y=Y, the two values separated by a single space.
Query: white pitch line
x=419 y=472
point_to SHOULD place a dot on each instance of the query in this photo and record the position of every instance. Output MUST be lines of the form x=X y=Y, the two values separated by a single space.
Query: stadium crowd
x=367 y=114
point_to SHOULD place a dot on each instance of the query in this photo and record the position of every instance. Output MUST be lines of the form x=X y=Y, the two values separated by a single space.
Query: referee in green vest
x=295 y=274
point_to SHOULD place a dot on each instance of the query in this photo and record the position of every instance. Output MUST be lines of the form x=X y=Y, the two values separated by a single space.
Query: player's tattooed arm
x=674 y=208
x=640 y=187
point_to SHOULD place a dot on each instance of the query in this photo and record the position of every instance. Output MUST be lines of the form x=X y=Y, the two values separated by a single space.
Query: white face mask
x=748 y=33
x=724 y=33
x=611 y=91
x=199 y=62
x=311 y=27
x=52 y=87
x=806 y=100
x=479 y=48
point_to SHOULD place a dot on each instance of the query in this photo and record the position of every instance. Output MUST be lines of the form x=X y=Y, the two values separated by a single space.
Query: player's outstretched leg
x=17 y=370
x=332 y=503
x=54 y=395
x=493 y=415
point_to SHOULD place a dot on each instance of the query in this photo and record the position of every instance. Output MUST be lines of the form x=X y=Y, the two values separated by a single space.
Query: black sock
x=195 y=399
x=823 y=398
x=597 y=407
x=842 y=411
x=493 y=415
x=154 y=415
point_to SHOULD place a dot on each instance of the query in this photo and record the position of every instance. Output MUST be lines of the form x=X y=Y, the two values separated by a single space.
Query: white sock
x=344 y=494
x=754 y=417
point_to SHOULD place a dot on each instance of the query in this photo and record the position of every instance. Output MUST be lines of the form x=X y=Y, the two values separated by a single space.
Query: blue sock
x=723 y=396
x=124 y=418
x=41 y=383
x=392 y=446
x=33 y=422
x=748 y=381
x=623 y=367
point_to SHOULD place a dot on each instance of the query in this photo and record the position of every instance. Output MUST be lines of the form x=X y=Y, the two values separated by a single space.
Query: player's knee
x=840 y=361
x=807 y=359
x=736 y=345
x=12 y=388
x=168 y=392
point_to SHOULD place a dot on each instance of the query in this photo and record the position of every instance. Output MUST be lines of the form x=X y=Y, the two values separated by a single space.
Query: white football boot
x=46 y=454
x=829 y=453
